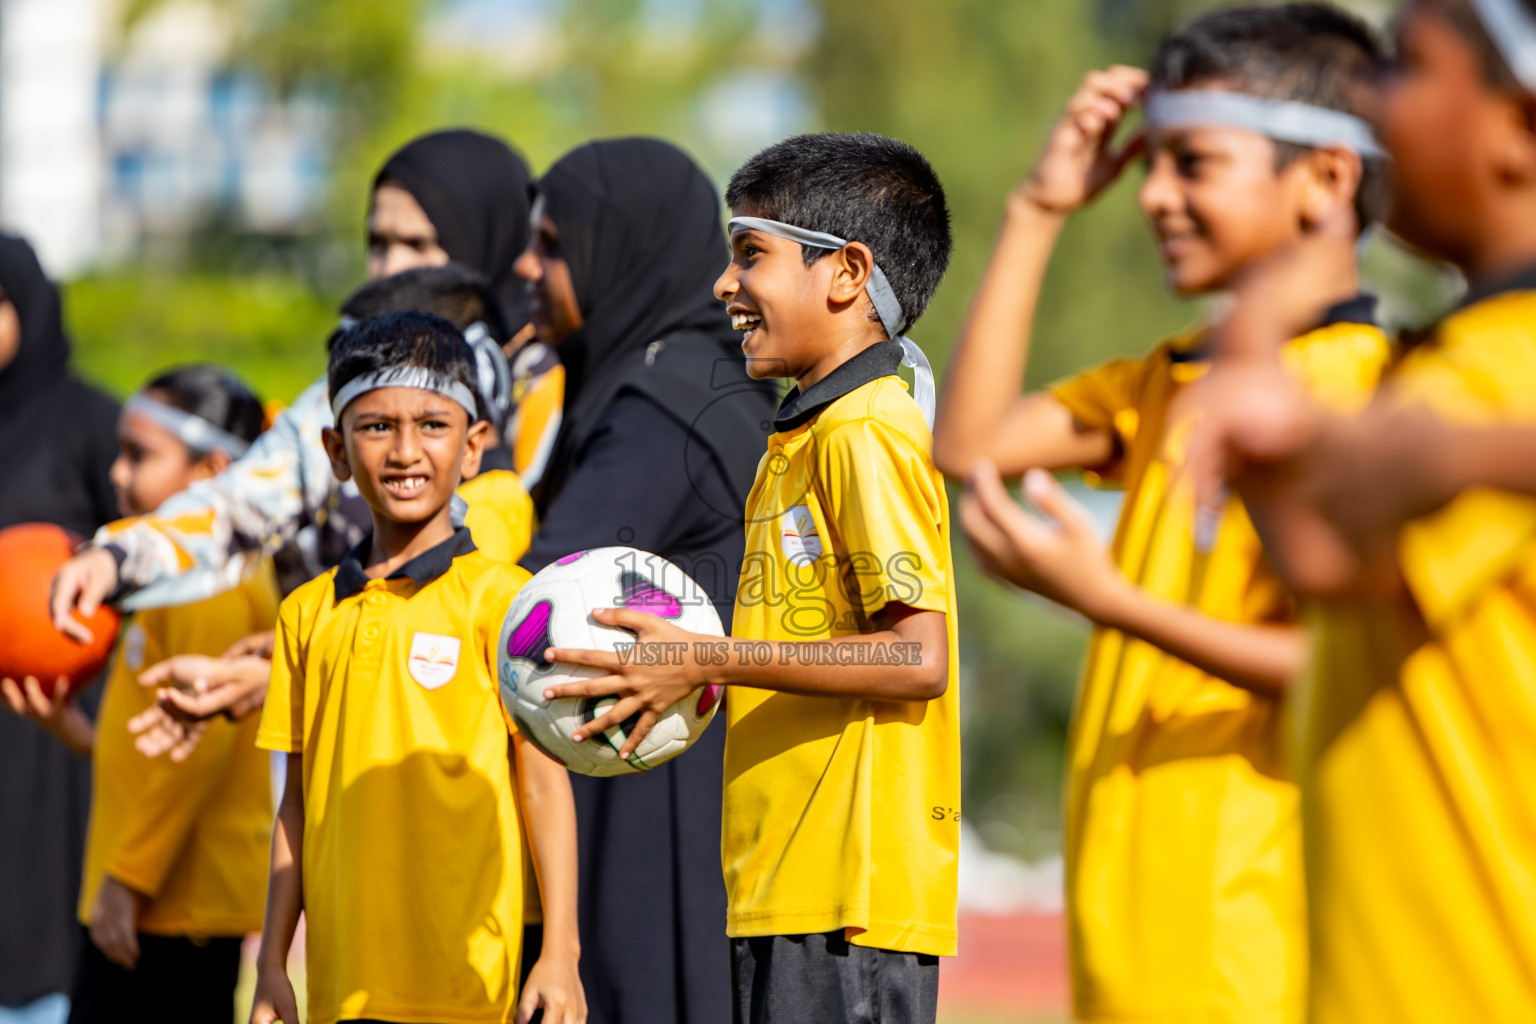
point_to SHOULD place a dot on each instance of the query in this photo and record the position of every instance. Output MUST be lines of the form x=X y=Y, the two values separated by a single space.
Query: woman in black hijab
x=58 y=438
x=453 y=195
x=662 y=434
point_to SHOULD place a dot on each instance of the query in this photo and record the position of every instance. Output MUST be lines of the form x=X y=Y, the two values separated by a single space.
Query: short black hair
x=862 y=187
x=401 y=341
x=1307 y=52
x=458 y=294
x=1462 y=17
x=213 y=394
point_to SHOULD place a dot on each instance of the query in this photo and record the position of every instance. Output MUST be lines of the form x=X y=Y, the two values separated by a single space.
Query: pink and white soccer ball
x=554 y=610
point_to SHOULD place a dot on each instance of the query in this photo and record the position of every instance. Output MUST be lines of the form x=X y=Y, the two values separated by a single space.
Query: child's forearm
x=901 y=664
x=285 y=886
x=549 y=812
x=986 y=370
x=1261 y=658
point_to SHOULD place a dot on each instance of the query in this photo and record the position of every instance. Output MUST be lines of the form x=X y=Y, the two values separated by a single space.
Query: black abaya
x=660 y=442
x=474 y=190
x=58 y=438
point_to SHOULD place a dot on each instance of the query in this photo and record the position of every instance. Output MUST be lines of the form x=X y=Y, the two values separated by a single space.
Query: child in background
x=175 y=853
x=842 y=763
x=398 y=834
x=1183 y=847
x=1418 y=732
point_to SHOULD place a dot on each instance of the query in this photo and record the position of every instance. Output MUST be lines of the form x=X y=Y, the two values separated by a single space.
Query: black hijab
x=474 y=190
x=43 y=358
x=639 y=227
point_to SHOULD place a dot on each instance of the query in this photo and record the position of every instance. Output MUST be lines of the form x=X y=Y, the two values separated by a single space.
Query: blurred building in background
x=116 y=139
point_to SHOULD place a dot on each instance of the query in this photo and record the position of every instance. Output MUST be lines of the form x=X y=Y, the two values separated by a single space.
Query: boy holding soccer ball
x=399 y=833
x=842 y=764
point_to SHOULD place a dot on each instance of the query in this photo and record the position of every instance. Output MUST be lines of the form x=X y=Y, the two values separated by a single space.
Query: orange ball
x=30 y=555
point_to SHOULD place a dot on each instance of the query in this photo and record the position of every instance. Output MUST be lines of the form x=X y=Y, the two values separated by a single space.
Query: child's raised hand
x=661 y=670
x=554 y=986
x=274 y=1000
x=1061 y=559
x=1079 y=161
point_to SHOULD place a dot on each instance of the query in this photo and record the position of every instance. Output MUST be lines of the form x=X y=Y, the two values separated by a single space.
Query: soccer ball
x=554 y=610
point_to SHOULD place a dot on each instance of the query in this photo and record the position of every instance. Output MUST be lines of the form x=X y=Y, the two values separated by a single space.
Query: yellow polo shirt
x=193 y=838
x=844 y=813
x=412 y=859
x=1418 y=739
x=1183 y=846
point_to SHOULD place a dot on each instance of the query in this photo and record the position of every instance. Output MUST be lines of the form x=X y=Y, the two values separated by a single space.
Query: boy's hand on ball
x=643 y=689
x=84 y=583
x=56 y=713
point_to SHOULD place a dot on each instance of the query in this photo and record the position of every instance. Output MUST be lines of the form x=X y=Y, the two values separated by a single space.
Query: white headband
x=1281 y=120
x=193 y=431
x=418 y=377
x=881 y=296
x=1513 y=31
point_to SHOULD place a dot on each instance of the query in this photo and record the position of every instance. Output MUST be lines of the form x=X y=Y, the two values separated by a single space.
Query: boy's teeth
x=745 y=321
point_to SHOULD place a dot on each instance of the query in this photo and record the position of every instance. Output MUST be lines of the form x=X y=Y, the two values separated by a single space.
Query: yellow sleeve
x=501 y=518
x=1450 y=558
x=1107 y=398
x=282 y=718
x=506 y=581
x=157 y=826
x=885 y=508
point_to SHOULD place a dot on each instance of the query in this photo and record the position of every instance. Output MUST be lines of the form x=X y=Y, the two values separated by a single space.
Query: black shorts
x=177 y=980
x=825 y=979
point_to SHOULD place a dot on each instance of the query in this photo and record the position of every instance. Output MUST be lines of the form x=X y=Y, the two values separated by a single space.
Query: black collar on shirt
x=421 y=570
x=879 y=360
x=1358 y=309
x=1522 y=280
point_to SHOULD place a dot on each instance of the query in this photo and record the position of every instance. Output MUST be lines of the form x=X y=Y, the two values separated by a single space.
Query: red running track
x=1013 y=965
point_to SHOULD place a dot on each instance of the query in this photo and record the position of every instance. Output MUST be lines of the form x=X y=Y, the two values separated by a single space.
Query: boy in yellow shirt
x=398 y=833
x=1418 y=721
x=842 y=762
x=1183 y=847
x=175 y=858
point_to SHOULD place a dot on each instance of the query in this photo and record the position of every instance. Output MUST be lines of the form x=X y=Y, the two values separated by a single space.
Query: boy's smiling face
x=791 y=315
x=407 y=449
x=1216 y=202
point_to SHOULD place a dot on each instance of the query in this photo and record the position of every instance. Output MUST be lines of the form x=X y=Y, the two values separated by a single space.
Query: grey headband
x=881 y=296
x=193 y=431
x=1512 y=29
x=1281 y=120
x=418 y=377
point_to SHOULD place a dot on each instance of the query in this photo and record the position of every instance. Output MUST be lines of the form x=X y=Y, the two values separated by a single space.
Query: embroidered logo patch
x=434 y=659
x=133 y=648
x=798 y=536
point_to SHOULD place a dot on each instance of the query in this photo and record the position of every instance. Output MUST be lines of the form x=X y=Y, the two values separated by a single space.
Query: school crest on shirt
x=133 y=648
x=434 y=659
x=799 y=538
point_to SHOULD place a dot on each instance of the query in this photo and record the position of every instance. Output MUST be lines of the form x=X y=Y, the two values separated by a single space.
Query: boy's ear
x=852 y=266
x=336 y=450
x=211 y=464
x=1332 y=179
x=474 y=449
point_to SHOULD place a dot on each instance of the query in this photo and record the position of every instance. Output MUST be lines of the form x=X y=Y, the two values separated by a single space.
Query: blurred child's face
x=407 y=449
x=1216 y=202
x=778 y=303
x=554 y=308
x=1438 y=119
x=400 y=235
x=152 y=464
